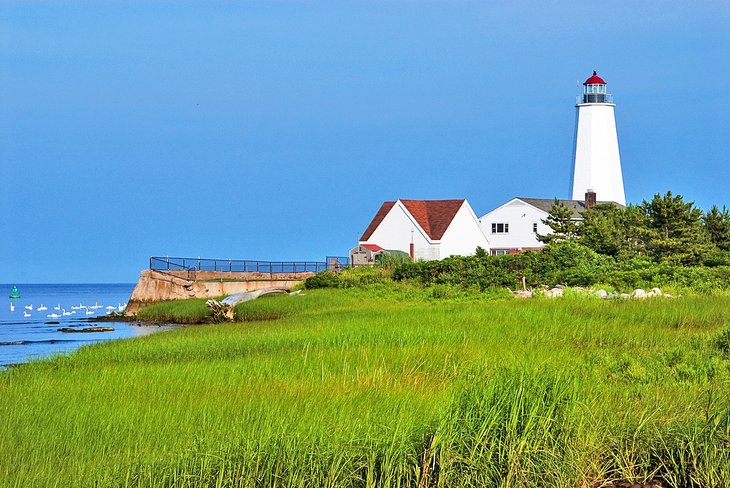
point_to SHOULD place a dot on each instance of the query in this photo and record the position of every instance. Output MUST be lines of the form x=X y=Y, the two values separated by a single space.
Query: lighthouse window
x=500 y=228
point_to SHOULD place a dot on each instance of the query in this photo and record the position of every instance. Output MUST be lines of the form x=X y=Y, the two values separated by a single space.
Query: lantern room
x=594 y=90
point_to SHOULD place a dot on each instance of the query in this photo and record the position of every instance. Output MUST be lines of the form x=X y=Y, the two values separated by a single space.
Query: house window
x=499 y=252
x=534 y=227
x=500 y=228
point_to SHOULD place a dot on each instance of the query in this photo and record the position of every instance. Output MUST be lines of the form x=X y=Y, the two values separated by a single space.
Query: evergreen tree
x=560 y=220
x=675 y=230
x=717 y=225
x=613 y=230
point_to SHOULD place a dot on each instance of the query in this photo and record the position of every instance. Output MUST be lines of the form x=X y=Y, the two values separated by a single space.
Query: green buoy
x=14 y=292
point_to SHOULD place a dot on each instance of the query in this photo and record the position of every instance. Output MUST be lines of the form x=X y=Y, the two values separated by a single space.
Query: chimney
x=412 y=251
x=590 y=200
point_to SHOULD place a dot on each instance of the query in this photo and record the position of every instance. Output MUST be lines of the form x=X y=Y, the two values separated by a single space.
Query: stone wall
x=156 y=286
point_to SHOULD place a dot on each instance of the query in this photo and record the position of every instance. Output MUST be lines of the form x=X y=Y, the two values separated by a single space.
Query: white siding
x=597 y=164
x=520 y=216
x=461 y=238
x=464 y=234
x=394 y=233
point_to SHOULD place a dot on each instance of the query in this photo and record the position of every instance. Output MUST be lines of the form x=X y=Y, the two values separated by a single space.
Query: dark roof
x=545 y=204
x=379 y=216
x=434 y=216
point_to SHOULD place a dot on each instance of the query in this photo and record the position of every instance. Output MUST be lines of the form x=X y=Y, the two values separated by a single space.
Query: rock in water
x=88 y=329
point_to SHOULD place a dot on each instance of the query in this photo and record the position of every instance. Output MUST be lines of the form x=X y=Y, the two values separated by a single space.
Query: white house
x=426 y=229
x=514 y=226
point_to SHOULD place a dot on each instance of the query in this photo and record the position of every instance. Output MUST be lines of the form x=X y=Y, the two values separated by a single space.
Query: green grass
x=388 y=386
x=193 y=311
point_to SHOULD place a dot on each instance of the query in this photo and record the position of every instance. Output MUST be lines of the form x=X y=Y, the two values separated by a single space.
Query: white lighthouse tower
x=596 y=161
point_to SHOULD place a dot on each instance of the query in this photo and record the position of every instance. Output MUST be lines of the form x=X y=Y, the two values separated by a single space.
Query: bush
x=349 y=278
x=323 y=279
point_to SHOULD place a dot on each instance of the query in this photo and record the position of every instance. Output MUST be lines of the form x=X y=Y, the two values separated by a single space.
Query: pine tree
x=717 y=225
x=560 y=220
x=675 y=230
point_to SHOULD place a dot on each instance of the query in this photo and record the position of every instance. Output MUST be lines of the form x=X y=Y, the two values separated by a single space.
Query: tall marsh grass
x=386 y=387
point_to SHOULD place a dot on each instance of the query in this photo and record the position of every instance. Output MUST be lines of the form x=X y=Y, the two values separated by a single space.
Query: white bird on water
x=26 y=314
x=89 y=311
x=121 y=307
x=12 y=307
x=29 y=307
x=95 y=306
x=65 y=313
x=57 y=307
x=42 y=308
x=74 y=307
x=53 y=315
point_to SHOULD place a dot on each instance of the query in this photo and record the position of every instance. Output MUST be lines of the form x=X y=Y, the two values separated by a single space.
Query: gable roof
x=379 y=216
x=434 y=216
x=545 y=204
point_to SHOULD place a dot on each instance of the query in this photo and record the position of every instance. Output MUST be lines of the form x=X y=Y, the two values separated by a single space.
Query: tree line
x=665 y=229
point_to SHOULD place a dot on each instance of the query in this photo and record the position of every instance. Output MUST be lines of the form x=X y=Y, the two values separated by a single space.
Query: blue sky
x=274 y=130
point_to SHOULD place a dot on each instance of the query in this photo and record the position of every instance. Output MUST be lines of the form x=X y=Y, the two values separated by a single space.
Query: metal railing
x=594 y=98
x=193 y=265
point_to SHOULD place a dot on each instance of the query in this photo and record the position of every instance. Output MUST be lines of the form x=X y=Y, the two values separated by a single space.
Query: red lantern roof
x=595 y=80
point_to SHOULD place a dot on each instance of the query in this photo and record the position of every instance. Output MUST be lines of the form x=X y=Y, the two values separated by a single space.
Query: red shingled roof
x=434 y=216
x=372 y=247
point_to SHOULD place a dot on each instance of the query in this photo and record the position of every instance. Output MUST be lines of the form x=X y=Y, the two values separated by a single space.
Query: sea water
x=25 y=338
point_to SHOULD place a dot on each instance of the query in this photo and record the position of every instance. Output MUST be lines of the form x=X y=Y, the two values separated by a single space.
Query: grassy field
x=387 y=387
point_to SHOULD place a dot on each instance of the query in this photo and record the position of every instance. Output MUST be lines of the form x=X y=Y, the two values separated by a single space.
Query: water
x=25 y=338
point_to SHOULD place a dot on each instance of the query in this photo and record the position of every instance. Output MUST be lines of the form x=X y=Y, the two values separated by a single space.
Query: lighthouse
x=596 y=160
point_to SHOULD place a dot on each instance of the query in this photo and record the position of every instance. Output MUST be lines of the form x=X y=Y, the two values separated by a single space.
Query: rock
x=88 y=329
x=639 y=293
x=602 y=293
x=554 y=292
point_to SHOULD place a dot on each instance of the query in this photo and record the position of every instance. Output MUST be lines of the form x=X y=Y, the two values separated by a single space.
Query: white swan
x=29 y=307
x=121 y=307
x=12 y=307
x=53 y=315
x=42 y=308
x=65 y=313
x=26 y=314
x=110 y=307
x=74 y=307
x=95 y=306
x=57 y=307
x=89 y=311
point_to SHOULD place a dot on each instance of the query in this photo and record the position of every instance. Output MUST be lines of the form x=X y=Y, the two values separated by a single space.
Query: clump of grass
x=193 y=311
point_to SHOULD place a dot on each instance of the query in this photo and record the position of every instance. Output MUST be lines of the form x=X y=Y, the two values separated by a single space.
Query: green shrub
x=323 y=279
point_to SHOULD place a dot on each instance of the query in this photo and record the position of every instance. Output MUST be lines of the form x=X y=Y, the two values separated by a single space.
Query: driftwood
x=223 y=310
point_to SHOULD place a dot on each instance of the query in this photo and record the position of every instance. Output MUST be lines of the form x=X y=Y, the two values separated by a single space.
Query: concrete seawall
x=156 y=286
